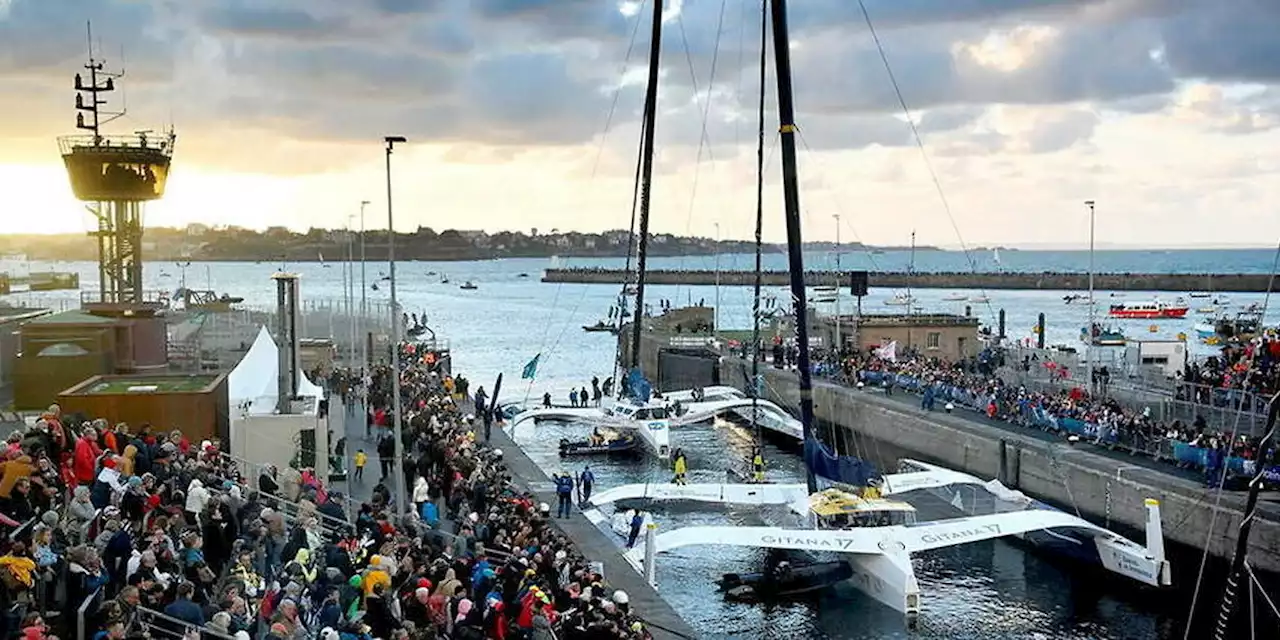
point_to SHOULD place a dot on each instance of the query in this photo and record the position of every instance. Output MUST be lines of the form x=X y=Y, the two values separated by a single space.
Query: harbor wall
x=1173 y=282
x=1103 y=489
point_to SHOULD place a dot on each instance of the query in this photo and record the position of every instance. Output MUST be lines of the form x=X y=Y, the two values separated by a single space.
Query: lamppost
x=1088 y=351
x=364 y=305
x=715 y=313
x=349 y=288
x=836 y=349
x=401 y=494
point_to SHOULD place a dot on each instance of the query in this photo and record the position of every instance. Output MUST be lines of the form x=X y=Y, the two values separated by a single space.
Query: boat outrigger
x=876 y=534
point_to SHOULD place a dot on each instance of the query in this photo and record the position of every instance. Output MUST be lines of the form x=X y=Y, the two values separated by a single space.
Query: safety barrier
x=1023 y=413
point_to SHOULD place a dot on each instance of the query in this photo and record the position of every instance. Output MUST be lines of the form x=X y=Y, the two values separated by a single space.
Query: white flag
x=888 y=352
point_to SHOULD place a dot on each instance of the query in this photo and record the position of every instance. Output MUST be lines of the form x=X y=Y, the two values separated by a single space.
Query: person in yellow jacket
x=361 y=458
x=375 y=575
x=681 y=466
x=757 y=466
x=19 y=566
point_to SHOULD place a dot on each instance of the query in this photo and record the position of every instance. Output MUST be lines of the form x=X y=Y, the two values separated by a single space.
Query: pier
x=1173 y=282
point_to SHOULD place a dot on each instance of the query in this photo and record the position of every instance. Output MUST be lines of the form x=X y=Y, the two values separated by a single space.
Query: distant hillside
x=200 y=242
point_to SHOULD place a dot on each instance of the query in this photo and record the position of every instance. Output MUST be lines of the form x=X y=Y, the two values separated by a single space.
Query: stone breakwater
x=1173 y=282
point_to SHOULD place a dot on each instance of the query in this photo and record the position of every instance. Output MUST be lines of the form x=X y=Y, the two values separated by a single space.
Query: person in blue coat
x=564 y=492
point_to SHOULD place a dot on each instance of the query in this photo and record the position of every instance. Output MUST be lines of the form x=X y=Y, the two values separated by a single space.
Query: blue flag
x=531 y=369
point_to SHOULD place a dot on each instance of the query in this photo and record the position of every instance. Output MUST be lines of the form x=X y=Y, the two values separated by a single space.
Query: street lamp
x=364 y=305
x=397 y=419
x=715 y=313
x=839 y=345
x=1089 y=345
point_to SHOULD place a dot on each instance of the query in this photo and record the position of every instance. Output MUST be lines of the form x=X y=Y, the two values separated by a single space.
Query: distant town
x=199 y=242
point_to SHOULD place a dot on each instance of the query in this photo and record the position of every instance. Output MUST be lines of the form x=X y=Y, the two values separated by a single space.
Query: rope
x=1222 y=480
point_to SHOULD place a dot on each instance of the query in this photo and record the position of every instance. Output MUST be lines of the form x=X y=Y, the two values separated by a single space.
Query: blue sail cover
x=842 y=469
x=637 y=387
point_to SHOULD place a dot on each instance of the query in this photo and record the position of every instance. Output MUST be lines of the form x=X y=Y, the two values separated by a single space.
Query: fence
x=1176 y=452
x=207 y=340
x=1222 y=409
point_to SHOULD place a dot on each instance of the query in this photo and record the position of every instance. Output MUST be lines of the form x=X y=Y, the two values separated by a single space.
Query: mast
x=791 y=201
x=1227 y=607
x=646 y=175
x=755 y=301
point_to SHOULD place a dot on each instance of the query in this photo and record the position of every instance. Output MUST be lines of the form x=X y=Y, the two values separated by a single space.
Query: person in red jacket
x=86 y=455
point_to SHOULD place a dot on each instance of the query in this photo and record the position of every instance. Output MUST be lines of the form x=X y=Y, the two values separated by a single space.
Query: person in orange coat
x=86 y=456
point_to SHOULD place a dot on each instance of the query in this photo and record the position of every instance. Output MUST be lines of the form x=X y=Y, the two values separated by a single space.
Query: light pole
x=364 y=307
x=351 y=289
x=838 y=344
x=1088 y=349
x=401 y=496
x=715 y=317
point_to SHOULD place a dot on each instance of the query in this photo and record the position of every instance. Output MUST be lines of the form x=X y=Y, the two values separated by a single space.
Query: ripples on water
x=986 y=590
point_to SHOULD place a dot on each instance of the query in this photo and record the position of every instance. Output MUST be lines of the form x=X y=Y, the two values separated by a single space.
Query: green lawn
x=165 y=384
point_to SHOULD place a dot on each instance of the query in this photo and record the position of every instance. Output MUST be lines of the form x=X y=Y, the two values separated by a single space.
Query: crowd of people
x=974 y=383
x=1253 y=367
x=118 y=531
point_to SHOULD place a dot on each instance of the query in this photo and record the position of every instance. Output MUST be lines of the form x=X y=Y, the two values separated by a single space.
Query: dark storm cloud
x=527 y=72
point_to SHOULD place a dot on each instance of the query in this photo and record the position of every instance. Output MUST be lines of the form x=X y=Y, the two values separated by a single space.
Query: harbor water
x=984 y=590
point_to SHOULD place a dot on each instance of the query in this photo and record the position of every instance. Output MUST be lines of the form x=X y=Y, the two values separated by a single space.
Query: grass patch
x=166 y=384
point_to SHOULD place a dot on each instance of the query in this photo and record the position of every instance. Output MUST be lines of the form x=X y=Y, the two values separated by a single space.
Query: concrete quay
x=1105 y=487
x=1172 y=282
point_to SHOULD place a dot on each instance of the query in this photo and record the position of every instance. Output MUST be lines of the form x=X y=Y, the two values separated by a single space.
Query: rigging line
x=755 y=304
x=737 y=95
x=1258 y=584
x=813 y=158
x=703 y=139
x=924 y=153
x=1222 y=481
x=617 y=91
x=608 y=124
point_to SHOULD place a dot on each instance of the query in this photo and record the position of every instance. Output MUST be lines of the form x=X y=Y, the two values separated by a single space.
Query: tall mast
x=755 y=301
x=791 y=201
x=646 y=175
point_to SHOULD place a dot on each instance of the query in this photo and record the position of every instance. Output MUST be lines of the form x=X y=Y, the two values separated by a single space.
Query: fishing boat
x=782 y=581
x=607 y=444
x=900 y=300
x=1148 y=311
x=468 y=286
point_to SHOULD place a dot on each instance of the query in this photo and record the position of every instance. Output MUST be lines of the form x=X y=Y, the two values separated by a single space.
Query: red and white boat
x=1148 y=310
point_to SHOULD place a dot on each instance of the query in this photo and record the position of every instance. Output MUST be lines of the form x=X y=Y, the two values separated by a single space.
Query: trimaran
x=873 y=534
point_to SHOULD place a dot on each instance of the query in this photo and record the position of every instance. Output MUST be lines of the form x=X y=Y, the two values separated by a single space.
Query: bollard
x=650 y=555
x=1040 y=332
x=1000 y=327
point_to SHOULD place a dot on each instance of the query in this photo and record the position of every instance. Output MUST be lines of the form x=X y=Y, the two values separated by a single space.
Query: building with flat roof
x=939 y=335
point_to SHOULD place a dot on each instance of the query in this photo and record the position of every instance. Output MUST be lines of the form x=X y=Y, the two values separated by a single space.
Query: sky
x=525 y=114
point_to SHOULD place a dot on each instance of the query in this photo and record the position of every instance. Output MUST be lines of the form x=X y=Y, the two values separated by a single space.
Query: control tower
x=115 y=175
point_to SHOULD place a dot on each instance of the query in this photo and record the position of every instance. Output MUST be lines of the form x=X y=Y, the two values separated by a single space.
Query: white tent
x=254 y=381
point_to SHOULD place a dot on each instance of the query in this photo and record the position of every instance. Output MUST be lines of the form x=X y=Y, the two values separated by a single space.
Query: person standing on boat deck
x=637 y=521
x=546 y=400
x=596 y=394
x=680 y=465
x=573 y=398
x=564 y=491
x=757 y=465
x=585 y=481
x=583 y=397
x=481 y=402
x=607 y=387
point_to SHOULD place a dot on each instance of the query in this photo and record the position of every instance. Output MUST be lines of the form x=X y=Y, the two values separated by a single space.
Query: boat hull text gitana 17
x=877 y=536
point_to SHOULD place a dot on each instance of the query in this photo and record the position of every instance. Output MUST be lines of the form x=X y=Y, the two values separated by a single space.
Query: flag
x=531 y=369
x=888 y=352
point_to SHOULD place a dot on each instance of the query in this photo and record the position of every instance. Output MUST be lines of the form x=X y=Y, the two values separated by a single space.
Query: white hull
x=880 y=556
x=655 y=434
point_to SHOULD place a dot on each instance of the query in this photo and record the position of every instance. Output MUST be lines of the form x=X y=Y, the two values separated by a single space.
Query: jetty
x=1048 y=281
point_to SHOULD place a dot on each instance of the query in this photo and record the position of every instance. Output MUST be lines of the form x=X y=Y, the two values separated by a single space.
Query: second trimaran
x=850 y=518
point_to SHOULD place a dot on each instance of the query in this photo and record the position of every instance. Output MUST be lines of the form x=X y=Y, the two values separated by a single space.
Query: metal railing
x=153 y=624
x=93 y=600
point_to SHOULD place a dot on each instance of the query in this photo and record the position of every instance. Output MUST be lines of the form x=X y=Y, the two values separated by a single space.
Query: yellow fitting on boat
x=787 y=128
x=1151 y=502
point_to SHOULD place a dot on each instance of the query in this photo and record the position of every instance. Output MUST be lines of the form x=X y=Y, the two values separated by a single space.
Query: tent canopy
x=254 y=380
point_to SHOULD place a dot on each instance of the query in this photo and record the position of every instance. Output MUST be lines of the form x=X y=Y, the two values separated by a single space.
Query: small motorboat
x=980 y=299
x=523 y=275
x=1207 y=310
x=955 y=297
x=1199 y=294
x=1103 y=337
x=600 y=327
x=606 y=446
x=899 y=300
x=784 y=581
x=468 y=286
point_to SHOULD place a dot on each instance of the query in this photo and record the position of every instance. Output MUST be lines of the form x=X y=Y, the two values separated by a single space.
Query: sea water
x=984 y=590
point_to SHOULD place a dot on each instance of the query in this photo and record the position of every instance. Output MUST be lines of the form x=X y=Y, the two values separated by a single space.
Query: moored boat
x=603 y=446
x=900 y=300
x=468 y=286
x=1148 y=310
x=600 y=326
x=784 y=580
